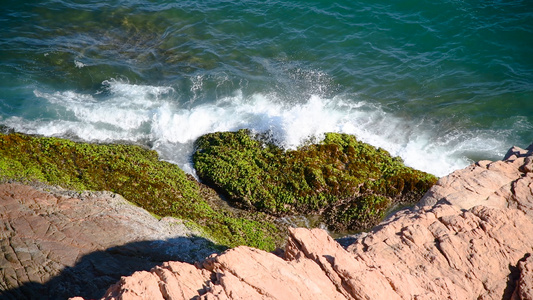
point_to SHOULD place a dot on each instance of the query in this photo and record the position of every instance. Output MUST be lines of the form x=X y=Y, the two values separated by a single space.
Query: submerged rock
x=456 y=248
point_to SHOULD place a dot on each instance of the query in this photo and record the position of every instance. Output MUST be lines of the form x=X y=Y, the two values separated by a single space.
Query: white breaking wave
x=151 y=114
x=79 y=64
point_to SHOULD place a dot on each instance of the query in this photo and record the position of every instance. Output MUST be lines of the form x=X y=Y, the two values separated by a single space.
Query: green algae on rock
x=350 y=183
x=139 y=176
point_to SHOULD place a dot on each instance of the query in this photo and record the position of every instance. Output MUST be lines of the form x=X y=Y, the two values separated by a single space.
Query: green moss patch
x=139 y=176
x=349 y=183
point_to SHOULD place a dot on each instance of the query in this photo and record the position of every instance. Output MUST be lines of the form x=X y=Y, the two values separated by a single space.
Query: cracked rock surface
x=470 y=238
x=55 y=243
x=488 y=183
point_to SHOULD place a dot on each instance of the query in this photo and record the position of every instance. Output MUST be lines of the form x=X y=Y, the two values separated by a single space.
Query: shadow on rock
x=95 y=272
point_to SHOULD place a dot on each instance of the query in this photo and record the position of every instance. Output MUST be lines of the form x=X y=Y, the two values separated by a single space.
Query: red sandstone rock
x=467 y=250
x=434 y=253
x=487 y=183
x=60 y=243
x=524 y=288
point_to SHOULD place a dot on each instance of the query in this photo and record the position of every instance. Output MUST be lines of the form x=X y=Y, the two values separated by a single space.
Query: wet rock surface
x=55 y=243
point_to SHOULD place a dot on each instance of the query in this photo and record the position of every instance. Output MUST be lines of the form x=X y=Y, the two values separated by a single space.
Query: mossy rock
x=349 y=183
x=139 y=176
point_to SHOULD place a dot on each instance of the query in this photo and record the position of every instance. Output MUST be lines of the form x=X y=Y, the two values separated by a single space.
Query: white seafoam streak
x=150 y=115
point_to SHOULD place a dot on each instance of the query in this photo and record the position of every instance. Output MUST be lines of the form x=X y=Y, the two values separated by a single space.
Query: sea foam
x=153 y=116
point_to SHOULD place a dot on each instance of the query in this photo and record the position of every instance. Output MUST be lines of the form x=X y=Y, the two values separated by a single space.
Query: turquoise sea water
x=439 y=83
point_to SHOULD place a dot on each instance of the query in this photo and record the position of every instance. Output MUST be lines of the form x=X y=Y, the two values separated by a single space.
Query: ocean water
x=439 y=83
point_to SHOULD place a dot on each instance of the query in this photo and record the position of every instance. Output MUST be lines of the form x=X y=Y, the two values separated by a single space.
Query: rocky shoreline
x=252 y=184
x=435 y=251
x=468 y=238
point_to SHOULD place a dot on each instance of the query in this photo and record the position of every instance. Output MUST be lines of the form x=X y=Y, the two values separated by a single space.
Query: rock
x=241 y=273
x=443 y=252
x=438 y=252
x=347 y=184
x=469 y=239
x=55 y=243
x=486 y=183
x=524 y=288
x=297 y=278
